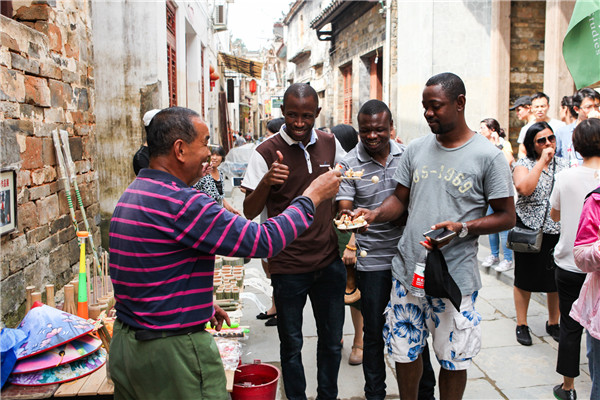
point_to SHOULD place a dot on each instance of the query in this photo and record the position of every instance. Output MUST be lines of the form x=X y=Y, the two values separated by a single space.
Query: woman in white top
x=570 y=189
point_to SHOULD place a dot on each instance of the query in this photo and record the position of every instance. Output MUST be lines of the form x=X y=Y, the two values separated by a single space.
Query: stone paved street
x=502 y=370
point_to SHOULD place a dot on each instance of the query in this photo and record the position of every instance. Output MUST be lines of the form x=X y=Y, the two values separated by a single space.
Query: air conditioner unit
x=220 y=15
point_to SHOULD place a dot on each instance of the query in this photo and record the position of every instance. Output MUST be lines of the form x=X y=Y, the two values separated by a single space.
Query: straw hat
x=47 y=327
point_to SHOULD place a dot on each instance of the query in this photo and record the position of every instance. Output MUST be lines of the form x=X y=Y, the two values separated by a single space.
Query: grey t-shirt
x=448 y=185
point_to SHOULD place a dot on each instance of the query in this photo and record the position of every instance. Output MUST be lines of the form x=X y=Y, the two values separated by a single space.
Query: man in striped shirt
x=163 y=239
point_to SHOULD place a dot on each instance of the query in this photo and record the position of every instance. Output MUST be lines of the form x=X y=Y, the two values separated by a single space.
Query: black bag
x=523 y=239
x=438 y=281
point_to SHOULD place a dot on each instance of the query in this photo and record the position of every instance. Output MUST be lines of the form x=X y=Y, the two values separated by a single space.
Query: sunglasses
x=541 y=141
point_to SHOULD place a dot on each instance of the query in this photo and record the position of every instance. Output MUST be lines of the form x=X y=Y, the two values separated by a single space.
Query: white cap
x=149 y=115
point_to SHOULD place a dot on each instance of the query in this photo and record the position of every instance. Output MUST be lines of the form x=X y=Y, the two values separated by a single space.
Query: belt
x=146 y=334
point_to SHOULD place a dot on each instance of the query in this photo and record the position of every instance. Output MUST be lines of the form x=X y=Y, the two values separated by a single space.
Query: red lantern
x=252 y=86
x=211 y=69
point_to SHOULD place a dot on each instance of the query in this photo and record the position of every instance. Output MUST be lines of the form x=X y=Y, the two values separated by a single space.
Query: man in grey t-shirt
x=444 y=181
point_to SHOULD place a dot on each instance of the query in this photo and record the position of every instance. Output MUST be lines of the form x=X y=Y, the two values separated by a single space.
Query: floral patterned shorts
x=409 y=319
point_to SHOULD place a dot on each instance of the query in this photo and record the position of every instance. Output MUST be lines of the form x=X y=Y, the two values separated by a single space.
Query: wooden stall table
x=94 y=384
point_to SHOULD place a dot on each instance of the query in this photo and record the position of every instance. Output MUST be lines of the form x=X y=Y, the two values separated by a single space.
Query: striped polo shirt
x=163 y=239
x=381 y=239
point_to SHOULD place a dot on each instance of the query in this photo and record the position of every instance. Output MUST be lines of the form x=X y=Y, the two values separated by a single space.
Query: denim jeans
x=593 y=355
x=325 y=288
x=497 y=239
x=375 y=288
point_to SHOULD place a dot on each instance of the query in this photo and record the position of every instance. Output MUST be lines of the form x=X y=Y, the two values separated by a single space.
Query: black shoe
x=562 y=394
x=553 y=330
x=271 y=322
x=264 y=315
x=523 y=335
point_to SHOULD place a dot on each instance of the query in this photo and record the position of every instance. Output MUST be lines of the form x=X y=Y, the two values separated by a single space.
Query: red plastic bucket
x=255 y=382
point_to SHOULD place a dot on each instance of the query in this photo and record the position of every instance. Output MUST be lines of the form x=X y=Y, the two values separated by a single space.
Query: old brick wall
x=527 y=32
x=46 y=82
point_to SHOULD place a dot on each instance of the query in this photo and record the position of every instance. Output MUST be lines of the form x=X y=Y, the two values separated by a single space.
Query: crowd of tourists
x=173 y=219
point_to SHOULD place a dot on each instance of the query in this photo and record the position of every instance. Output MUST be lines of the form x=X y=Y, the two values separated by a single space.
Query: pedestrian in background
x=570 y=189
x=587 y=258
x=141 y=158
x=212 y=182
x=490 y=129
x=534 y=272
x=348 y=138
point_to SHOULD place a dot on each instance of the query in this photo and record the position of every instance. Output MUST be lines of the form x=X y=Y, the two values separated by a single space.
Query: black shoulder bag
x=524 y=239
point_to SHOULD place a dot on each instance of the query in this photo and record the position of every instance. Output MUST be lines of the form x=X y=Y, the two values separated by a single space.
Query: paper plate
x=352 y=227
x=48 y=327
x=62 y=373
x=63 y=354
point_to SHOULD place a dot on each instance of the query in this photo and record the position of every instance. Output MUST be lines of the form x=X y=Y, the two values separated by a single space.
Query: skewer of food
x=354 y=175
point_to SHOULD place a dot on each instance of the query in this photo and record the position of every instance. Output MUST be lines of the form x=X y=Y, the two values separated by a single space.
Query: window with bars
x=171 y=54
x=347 y=75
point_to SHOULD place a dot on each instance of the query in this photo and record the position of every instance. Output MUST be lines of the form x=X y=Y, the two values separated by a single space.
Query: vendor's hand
x=217 y=320
x=450 y=225
x=278 y=173
x=349 y=257
x=324 y=187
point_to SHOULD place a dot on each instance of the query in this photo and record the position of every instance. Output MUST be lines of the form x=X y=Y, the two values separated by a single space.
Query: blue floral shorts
x=409 y=319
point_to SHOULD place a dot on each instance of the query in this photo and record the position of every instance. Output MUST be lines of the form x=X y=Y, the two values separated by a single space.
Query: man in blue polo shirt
x=163 y=239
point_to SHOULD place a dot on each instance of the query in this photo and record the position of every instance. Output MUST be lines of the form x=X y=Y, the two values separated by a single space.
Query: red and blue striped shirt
x=163 y=239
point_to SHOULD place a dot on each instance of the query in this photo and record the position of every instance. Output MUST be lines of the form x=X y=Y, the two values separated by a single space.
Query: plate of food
x=347 y=223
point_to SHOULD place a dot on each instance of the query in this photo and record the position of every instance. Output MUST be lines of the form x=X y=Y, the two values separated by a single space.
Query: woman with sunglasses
x=534 y=272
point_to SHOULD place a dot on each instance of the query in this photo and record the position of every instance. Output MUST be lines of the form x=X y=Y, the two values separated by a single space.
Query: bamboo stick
x=69 y=305
x=36 y=296
x=50 y=295
x=28 y=291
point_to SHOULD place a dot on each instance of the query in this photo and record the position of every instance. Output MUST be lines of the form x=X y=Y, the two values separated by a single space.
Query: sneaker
x=489 y=261
x=553 y=330
x=504 y=266
x=523 y=335
x=562 y=394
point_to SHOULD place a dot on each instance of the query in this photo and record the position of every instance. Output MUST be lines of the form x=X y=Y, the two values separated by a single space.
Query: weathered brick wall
x=46 y=82
x=527 y=31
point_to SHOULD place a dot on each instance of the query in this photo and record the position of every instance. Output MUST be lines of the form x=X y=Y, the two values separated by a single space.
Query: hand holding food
x=347 y=222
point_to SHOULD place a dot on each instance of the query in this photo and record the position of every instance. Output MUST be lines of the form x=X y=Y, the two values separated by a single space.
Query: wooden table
x=94 y=384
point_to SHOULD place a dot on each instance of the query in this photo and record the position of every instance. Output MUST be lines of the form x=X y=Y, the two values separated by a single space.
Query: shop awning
x=241 y=65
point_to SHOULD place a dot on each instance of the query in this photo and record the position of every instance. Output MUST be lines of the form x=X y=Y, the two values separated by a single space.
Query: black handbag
x=523 y=239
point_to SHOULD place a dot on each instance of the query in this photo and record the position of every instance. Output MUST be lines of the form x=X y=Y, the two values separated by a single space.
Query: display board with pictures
x=8 y=201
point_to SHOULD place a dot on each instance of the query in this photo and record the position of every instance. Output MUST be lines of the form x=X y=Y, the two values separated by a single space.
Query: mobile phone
x=440 y=235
